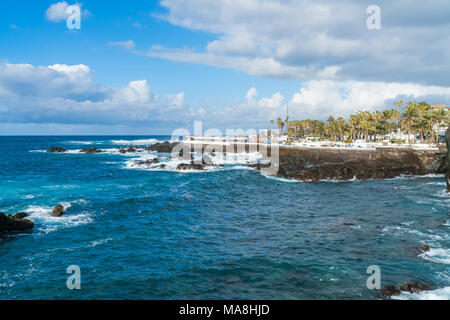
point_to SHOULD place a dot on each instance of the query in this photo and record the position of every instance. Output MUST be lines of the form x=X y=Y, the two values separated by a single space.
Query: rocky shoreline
x=315 y=164
x=312 y=164
x=15 y=223
x=447 y=175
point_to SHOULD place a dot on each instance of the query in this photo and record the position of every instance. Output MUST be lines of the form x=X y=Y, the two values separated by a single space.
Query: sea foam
x=45 y=223
x=438 y=294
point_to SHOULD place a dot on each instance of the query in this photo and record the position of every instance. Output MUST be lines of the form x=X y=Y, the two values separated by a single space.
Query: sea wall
x=312 y=164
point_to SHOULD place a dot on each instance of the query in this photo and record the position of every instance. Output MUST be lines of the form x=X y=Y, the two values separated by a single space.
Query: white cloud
x=253 y=66
x=124 y=44
x=324 y=39
x=318 y=99
x=57 y=12
x=66 y=94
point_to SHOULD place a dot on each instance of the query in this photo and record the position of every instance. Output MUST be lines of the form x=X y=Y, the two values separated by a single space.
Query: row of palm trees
x=414 y=118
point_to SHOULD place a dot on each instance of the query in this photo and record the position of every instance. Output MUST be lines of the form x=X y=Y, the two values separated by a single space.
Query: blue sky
x=40 y=42
x=227 y=64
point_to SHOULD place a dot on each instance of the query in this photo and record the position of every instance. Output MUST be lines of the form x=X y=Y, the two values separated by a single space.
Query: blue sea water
x=228 y=233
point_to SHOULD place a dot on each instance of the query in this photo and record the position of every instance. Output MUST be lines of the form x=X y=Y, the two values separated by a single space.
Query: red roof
x=439 y=106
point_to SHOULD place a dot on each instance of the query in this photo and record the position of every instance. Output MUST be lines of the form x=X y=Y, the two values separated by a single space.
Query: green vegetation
x=417 y=118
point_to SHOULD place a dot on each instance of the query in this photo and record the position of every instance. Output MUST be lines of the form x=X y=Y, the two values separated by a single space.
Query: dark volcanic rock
x=415 y=287
x=447 y=175
x=56 y=150
x=58 y=211
x=162 y=166
x=165 y=147
x=410 y=286
x=90 y=151
x=11 y=224
x=190 y=166
x=390 y=291
x=425 y=248
x=309 y=164
x=20 y=215
x=148 y=162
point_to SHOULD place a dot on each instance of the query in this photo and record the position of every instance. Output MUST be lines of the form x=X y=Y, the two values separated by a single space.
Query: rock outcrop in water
x=91 y=150
x=164 y=147
x=127 y=150
x=56 y=150
x=447 y=174
x=410 y=286
x=190 y=166
x=58 y=211
x=147 y=162
x=14 y=223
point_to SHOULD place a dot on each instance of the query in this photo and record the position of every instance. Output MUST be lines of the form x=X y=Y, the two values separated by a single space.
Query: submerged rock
x=56 y=150
x=190 y=166
x=410 y=286
x=58 y=211
x=8 y=223
x=90 y=151
x=425 y=248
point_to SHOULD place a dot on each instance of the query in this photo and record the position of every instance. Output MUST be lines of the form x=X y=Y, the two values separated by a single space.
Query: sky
x=150 y=67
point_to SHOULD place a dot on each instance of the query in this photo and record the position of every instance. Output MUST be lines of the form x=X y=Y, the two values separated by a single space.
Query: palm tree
x=280 y=125
x=409 y=118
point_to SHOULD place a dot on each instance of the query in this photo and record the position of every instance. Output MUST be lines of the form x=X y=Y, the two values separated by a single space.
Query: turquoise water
x=228 y=233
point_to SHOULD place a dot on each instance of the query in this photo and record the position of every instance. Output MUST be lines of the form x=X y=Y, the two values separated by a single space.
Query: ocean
x=226 y=233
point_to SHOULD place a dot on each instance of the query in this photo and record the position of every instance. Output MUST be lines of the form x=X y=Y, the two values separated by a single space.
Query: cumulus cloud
x=317 y=99
x=57 y=12
x=67 y=94
x=322 y=39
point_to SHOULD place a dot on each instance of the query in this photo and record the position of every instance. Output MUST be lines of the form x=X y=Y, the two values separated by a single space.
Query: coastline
x=339 y=163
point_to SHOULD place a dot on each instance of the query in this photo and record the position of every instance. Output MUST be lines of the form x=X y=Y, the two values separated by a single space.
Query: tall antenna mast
x=287 y=116
x=287 y=112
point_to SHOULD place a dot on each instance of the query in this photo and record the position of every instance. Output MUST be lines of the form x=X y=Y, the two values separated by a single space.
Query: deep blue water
x=225 y=234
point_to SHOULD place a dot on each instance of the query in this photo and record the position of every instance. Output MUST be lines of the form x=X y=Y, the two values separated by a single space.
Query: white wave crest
x=438 y=255
x=281 y=179
x=42 y=216
x=438 y=294
x=218 y=161
x=139 y=142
